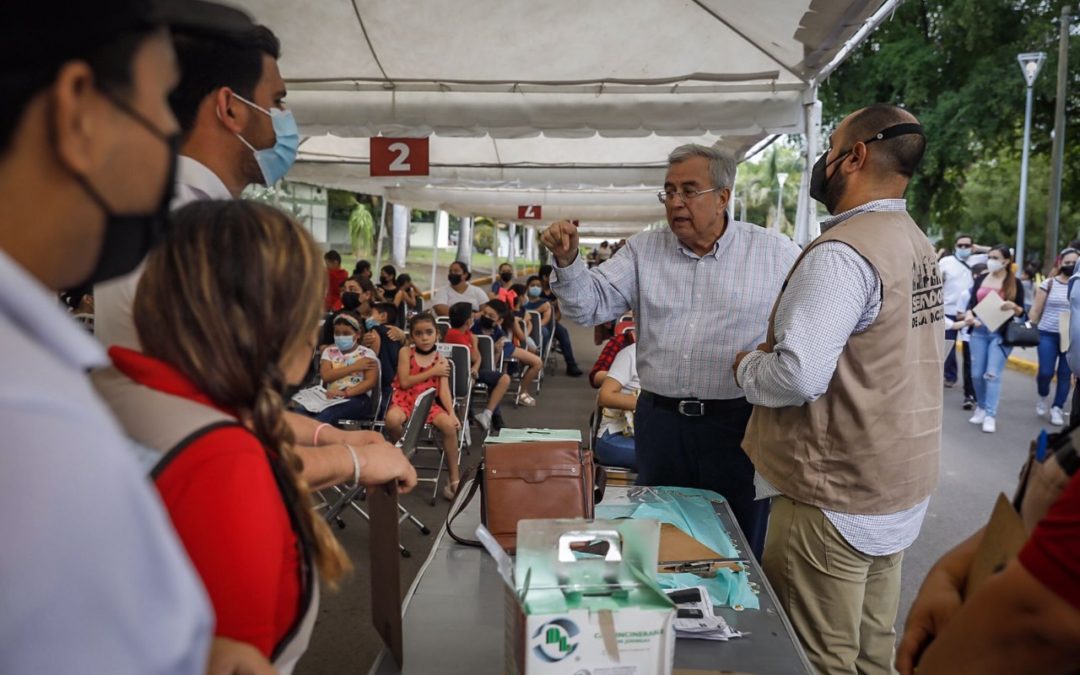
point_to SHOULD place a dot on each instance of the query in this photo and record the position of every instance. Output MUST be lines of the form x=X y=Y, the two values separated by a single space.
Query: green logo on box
x=555 y=640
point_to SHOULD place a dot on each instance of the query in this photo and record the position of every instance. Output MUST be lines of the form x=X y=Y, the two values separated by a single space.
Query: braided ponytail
x=269 y=426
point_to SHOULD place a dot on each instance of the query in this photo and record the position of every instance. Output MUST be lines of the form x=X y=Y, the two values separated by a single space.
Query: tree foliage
x=953 y=64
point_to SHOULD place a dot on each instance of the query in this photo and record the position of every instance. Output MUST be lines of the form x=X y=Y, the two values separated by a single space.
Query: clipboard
x=386 y=568
x=679 y=552
x=990 y=312
x=1064 y=321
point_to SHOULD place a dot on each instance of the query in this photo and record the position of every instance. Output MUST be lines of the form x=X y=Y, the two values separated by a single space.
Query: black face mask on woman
x=1068 y=270
x=506 y=276
x=350 y=299
x=454 y=279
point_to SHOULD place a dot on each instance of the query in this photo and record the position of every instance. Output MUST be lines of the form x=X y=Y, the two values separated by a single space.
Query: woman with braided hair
x=221 y=344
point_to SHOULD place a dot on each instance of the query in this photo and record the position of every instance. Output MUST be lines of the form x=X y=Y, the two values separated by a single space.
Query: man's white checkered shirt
x=833 y=294
x=693 y=313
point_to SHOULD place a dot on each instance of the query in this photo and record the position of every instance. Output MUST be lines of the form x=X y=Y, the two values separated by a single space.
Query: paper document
x=1065 y=320
x=526 y=435
x=314 y=400
x=990 y=312
x=694 y=616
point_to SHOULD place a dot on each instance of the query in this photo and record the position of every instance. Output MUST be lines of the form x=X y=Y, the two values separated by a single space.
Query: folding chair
x=537 y=335
x=486 y=347
x=408 y=442
x=461 y=393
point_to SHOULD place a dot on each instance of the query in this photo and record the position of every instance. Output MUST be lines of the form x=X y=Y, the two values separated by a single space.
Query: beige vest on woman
x=870 y=444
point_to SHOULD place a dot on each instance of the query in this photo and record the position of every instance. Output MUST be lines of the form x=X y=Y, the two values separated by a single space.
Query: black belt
x=695 y=407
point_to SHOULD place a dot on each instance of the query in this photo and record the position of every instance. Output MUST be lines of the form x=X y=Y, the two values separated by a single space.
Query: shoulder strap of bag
x=475 y=485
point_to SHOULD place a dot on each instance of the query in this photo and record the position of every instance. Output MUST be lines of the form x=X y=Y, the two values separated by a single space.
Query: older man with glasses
x=701 y=291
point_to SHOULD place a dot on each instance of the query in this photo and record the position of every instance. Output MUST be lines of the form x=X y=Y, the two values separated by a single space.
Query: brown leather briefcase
x=524 y=481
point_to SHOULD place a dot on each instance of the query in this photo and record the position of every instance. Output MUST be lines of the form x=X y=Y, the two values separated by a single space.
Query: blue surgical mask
x=534 y=291
x=344 y=342
x=275 y=161
x=963 y=253
x=370 y=323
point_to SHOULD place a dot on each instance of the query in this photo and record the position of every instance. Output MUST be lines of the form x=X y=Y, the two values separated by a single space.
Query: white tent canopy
x=551 y=95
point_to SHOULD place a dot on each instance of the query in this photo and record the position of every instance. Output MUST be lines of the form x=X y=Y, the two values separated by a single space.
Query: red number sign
x=399 y=157
x=529 y=212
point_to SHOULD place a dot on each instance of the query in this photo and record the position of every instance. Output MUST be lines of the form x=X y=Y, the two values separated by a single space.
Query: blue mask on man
x=275 y=161
x=963 y=253
x=534 y=291
x=370 y=323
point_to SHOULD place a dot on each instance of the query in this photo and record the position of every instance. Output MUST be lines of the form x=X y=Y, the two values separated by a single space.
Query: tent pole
x=379 y=236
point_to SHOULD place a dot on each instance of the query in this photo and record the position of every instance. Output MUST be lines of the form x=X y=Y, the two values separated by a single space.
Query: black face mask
x=454 y=279
x=350 y=299
x=425 y=352
x=1068 y=270
x=130 y=237
x=819 y=178
x=506 y=276
x=487 y=323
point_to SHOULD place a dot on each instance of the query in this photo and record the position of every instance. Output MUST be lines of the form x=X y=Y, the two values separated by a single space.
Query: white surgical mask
x=994 y=265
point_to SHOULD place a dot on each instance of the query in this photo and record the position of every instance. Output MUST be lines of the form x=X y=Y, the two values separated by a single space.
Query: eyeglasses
x=686 y=195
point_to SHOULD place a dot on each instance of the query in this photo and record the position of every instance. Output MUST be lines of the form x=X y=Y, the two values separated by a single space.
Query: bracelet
x=315 y=441
x=355 y=465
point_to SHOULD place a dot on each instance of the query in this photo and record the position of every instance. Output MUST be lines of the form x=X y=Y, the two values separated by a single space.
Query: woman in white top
x=618 y=400
x=1051 y=304
x=459 y=290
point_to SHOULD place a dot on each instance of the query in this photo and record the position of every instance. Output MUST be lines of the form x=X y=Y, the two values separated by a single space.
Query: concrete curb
x=1018 y=364
x=1023 y=365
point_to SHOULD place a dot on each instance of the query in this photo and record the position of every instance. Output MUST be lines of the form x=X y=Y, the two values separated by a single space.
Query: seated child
x=420 y=367
x=618 y=400
x=348 y=370
x=461 y=318
x=497 y=320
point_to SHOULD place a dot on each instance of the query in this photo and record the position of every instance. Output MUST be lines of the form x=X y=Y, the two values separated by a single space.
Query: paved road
x=975 y=468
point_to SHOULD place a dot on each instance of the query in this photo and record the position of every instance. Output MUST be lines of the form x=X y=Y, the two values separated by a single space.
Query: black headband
x=896 y=130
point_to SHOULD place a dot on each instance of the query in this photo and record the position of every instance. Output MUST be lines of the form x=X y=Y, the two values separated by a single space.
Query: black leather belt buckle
x=692 y=408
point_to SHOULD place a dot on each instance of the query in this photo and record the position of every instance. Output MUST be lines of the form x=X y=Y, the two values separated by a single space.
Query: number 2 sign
x=529 y=212
x=399 y=156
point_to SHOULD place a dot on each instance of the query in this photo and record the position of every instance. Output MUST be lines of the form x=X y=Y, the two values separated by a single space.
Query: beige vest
x=870 y=445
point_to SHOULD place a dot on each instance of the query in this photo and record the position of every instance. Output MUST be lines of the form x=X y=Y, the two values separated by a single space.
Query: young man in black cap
x=92 y=577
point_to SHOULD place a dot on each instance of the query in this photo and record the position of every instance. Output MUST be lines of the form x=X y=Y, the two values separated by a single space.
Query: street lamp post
x=782 y=178
x=1030 y=65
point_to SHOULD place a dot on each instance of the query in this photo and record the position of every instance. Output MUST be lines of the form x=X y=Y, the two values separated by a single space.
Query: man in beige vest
x=847 y=389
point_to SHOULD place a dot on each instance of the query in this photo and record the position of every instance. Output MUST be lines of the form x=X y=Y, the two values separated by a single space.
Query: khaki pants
x=841 y=602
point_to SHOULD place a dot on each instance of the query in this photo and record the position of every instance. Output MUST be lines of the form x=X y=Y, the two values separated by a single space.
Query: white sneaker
x=1057 y=417
x=978 y=417
x=483 y=418
x=1040 y=407
x=989 y=425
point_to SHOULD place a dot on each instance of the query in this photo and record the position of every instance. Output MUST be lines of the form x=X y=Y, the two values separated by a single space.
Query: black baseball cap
x=40 y=35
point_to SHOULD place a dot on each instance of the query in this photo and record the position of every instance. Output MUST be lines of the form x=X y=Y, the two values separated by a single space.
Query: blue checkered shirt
x=693 y=313
x=833 y=294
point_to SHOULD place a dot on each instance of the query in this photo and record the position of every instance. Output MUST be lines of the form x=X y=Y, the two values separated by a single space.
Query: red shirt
x=607 y=355
x=456 y=336
x=1052 y=553
x=333 y=291
x=227 y=509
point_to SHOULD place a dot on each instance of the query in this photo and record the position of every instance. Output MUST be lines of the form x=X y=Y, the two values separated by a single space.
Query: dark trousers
x=562 y=336
x=950 y=358
x=702 y=452
x=969 y=384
